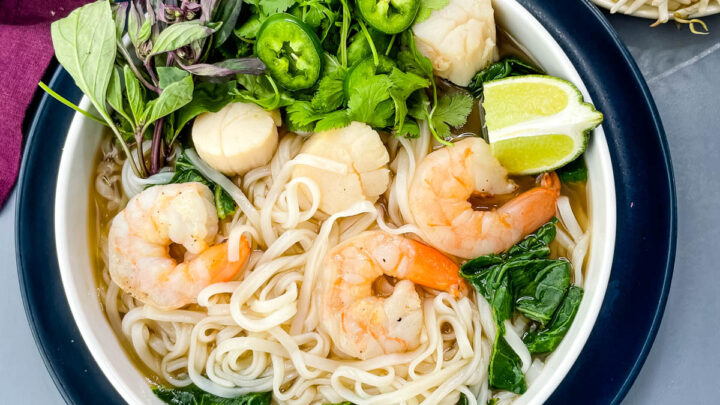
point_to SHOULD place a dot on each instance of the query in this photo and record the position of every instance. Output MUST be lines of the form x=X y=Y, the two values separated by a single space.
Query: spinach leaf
x=534 y=246
x=185 y=172
x=227 y=12
x=192 y=395
x=542 y=296
x=168 y=75
x=173 y=97
x=507 y=67
x=547 y=340
x=84 y=43
x=207 y=97
x=180 y=34
x=573 y=171
x=488 y=274
x=505 y=371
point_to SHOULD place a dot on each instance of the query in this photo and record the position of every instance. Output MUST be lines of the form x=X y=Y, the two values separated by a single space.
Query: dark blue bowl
x=646 y=222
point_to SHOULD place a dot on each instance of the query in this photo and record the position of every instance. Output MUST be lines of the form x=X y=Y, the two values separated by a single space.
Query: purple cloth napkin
x=25 y=51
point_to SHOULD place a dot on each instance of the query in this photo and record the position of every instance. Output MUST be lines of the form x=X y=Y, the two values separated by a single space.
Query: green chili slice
x=389 y=16
x=291 y=51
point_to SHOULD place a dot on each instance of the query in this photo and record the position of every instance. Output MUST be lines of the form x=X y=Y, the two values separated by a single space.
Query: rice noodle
x=260 y=331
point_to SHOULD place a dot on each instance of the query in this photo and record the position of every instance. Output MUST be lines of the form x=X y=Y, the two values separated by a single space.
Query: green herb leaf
x=135 y=94
x=171 y=99
x=144 y=32
x=403 y=85
x=170 y=74
x=507 y=67
x=84 y=43
x=333 y=120
x=227 y=12
x=451 y=111
x=114 y=94
x=224 y=204
x=427 y=7
x=547 y=340
x=463 y=400
x=207 y=97
x=261 y=91
x=185 y=172
x=178 y=35
x=192 y=395
x=574 y=171
x=120 y=11
x=505 y=370
x=135 y=21
x=270 y=7
x=371 y=102
x=329 y=95
x=541 y=297
x=250 y=28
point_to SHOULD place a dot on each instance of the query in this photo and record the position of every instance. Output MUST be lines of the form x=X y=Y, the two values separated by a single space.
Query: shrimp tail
x=534 y=207
x=429 y=267
x=215 y=261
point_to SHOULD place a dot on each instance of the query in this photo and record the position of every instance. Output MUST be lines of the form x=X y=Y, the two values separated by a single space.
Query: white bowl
x=72 y=238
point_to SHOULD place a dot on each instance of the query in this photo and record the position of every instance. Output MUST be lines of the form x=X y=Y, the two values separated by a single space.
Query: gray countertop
x=683 y=72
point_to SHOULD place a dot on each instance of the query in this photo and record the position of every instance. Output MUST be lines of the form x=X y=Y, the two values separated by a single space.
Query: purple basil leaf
x=207 y=7
x=121 y=11
x=252 y=66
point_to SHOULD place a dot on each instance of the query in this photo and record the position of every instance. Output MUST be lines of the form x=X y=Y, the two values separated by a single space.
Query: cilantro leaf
x=427 y=7
x=451 y=111
x=335 y=119
x=261 y=91
x=403 y=85
x=329 y=95
x=301 y=116
x=270 y=7
x=371 y=102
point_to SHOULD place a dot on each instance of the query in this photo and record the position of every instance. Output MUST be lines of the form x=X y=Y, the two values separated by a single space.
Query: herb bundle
x=171 y=70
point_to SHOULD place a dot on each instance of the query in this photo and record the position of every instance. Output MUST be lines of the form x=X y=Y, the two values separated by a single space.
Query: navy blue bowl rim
x=74 y=371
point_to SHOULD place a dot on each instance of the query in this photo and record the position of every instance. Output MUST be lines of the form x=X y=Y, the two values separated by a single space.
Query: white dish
x=652 y=12
x=72 y=238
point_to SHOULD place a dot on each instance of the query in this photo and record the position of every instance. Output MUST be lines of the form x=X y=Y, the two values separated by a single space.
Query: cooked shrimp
x=141 y=236
x=439 y=201
x=363 y=325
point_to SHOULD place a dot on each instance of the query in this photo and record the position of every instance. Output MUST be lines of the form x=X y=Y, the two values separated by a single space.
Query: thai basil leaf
x=171 y=99
x=545 y=292
x=192 y=395
x=180 y=34
x=185 y=172
x=547 y=340
x=252 y=66
x=144 y=32
x=227 y=12
x=114 y=94
x=135 y=94
x=505 y=370
x=207 y=97
x=135 y=21
x=170 y=74
x=84 y=43
x=120 y=11
x=507 y=67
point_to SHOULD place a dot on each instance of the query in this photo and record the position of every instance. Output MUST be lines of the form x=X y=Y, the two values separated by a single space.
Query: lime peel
x=537 y=123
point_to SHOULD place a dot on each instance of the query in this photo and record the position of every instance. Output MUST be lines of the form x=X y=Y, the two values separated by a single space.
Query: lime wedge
x=537 y=123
